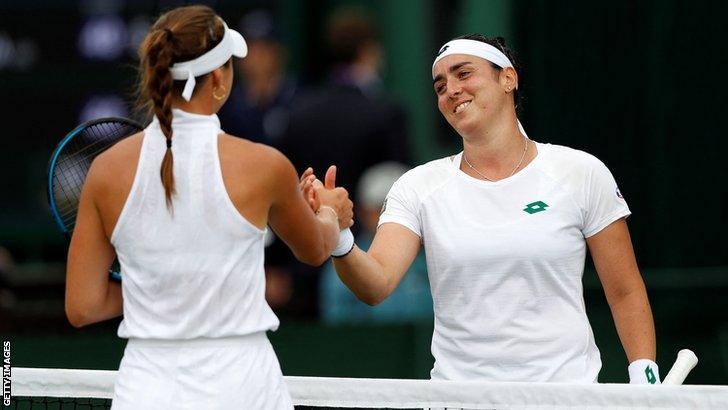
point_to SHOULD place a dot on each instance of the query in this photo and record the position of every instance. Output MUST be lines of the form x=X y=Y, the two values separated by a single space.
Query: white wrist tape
x=346 y=243
x=643 y=371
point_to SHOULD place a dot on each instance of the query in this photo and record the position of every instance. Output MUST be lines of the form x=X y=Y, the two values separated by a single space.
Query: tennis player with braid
x=506 y=225
x=190 y=244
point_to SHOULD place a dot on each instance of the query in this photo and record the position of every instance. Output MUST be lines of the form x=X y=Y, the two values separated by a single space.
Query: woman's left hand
x=306 y=186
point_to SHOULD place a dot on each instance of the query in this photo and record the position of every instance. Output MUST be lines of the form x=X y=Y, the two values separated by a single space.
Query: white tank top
x=196 y=272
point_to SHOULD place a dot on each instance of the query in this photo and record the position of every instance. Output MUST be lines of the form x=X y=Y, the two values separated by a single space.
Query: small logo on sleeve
x=619 y=193
x=384 y=206
x=535 y=207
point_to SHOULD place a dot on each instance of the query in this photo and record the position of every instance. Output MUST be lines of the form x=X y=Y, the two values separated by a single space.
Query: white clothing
x=239 y=372
x=505 y=261
x=196 y=272
x=193 y=285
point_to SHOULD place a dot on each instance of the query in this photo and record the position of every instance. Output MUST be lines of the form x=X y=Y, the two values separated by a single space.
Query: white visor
x=232 y=44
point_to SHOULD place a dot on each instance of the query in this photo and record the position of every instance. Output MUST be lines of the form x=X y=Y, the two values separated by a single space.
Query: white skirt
x=222 y=373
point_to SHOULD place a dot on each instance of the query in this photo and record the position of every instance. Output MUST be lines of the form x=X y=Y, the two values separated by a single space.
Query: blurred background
x=641 y=85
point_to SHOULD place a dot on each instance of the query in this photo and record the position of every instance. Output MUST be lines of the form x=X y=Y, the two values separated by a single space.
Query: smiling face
x=470 y=92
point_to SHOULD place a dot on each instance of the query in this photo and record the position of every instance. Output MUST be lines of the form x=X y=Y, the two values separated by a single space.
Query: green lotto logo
x=535 y=207
x=651 y=379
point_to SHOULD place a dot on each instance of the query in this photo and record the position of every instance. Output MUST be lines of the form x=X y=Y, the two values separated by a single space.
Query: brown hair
x=180 y=34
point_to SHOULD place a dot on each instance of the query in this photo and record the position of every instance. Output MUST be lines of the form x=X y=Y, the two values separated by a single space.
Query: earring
x=215 y=96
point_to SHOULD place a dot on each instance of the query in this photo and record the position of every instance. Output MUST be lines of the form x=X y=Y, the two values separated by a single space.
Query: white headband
x=477 y=49
x=232 y=44
x=473 y=48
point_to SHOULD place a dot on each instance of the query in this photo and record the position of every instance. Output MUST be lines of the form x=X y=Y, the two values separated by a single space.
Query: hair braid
x=178 y=35
x=160 y=91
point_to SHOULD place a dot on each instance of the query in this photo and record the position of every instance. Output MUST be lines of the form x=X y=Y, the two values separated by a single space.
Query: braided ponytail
x=160 y=87
x=178 y=35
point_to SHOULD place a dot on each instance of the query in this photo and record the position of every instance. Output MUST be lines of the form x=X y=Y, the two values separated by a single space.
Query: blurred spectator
x=7 y=266
x=7 y=298
x=411 y=301
x=349 y=121
x=259 y=102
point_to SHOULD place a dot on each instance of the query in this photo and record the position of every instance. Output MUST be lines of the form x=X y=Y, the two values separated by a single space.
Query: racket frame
x=57 y=152
x=52 y=167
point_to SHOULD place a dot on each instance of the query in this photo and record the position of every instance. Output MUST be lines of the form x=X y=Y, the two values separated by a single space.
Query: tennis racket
x=70 y=163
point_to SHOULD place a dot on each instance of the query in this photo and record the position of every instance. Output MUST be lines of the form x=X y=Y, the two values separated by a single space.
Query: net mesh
x=93 y=389
x=56 y=403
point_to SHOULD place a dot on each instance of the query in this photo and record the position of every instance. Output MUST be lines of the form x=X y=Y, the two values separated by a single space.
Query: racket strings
x=70 y=174
x=102 y=137
x=74 y=162
x=85 y=141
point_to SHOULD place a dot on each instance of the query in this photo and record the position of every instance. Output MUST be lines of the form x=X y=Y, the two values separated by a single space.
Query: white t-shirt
x=505 y=262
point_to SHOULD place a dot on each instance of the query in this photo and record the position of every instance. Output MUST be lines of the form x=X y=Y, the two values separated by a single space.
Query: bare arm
x=375 y=274
x=90 y=295
x=614 y=259
x=311 y=236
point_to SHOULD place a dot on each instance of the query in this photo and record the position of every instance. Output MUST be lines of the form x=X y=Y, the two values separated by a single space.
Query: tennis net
x=93 y=389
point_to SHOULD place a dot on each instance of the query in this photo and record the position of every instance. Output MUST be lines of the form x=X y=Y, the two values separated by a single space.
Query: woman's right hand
x=327 y=194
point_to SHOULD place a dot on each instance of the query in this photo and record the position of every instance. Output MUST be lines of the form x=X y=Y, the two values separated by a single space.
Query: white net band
x=395 y=393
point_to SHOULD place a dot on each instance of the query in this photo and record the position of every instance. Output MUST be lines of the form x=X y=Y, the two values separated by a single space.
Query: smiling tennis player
x=506 y=224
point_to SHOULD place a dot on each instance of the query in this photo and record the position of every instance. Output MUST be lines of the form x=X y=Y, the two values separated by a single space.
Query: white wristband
x=643 y=371
x=345 y=245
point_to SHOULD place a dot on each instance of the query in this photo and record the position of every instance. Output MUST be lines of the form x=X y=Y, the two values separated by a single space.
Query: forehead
x=442 y=66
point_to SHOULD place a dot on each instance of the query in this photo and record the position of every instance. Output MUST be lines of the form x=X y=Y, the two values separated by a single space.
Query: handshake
x=327 y=197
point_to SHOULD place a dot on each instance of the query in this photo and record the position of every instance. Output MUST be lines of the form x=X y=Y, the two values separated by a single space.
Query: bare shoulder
x=251 y=156
x=122 y=151
x=118 y=162
x=254 y=170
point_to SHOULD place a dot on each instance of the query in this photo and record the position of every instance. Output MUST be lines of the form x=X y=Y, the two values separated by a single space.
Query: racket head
x=71 y=160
